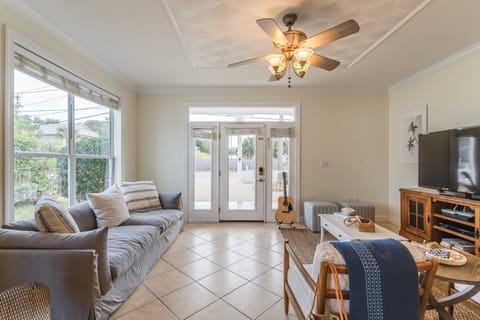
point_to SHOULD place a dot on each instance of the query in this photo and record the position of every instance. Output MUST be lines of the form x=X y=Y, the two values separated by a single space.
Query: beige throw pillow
x=51 y=216
x=140 y=196
x=109 y=207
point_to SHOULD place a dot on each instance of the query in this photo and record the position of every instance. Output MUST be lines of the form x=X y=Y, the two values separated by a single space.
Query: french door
x=236 y=171
x=242 y=172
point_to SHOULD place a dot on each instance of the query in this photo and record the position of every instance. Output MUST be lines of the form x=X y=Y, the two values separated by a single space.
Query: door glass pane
x=241 y=172
x=40 y=116
x=413 y=220
x=202 y=193
x=420 y=209
x=92 y=128
x=420 y=223
x=91 y=176
x=413 y=206
x=280 y=155
x=33 y=178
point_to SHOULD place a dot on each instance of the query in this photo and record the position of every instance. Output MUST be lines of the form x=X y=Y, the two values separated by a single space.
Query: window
x=280 y=151
x=243 y=114
x=203 y=165
x=62 y=135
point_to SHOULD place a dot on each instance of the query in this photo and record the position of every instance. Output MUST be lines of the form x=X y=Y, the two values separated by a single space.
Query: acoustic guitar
x=285 y=212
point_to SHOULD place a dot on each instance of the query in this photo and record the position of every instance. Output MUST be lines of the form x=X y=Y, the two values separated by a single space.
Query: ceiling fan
x=296 y=49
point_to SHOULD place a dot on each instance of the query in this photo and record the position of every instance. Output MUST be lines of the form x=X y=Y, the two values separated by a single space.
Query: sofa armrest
x=70 y=275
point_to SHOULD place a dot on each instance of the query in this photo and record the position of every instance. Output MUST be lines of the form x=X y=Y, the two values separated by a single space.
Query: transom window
x=243 y=114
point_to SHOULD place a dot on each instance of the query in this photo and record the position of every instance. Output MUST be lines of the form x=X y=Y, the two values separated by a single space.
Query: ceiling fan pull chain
x=289 y=76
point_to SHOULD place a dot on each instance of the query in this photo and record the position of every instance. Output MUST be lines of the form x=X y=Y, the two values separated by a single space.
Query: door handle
x=260 y=180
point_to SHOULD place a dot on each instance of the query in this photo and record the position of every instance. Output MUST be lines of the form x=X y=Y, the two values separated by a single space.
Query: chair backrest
x=28 y=301
x=426 y=272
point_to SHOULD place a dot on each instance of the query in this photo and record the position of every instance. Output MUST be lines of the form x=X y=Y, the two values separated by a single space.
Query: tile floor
x=215 y=271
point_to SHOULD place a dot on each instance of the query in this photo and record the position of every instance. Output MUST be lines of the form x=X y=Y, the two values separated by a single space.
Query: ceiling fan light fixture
x=300 y=69
x=280 y=75
x=277 y=63
x=302 y=55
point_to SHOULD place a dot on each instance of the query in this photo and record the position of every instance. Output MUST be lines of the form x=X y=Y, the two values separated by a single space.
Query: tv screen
x=450 y=160
x=465 y=152
x=434 y=160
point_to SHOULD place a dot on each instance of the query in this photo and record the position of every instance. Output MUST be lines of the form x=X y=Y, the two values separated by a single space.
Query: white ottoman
x=363 y=209
x=313 y=208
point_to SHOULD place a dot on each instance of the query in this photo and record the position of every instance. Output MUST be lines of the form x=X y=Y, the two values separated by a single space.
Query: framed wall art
x=412 y=124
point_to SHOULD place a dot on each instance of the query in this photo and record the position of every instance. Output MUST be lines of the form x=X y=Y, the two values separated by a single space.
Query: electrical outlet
x=324 y=164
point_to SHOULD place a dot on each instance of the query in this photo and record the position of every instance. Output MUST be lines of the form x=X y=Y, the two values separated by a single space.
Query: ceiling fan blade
x=271 y=28
x=241 y=63
x=323 y=62
x=334 y=33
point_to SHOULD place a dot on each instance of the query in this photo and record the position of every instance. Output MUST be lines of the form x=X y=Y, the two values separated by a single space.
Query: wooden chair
x=426 y=271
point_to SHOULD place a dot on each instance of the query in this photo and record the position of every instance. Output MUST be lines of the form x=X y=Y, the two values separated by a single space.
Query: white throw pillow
x=51 y=216
x=140 y=196
x=109 y=207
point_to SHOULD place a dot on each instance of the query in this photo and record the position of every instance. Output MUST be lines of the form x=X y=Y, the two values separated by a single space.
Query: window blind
x=242 y=131
x=38 y=67
x=203 y=133
x=282 y=133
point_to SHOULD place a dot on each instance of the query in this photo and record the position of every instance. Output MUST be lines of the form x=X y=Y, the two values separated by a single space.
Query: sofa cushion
x=140 y=196
x=171 y=201
x=95 y=240
x=126 y=244
x=109 y=207
x=51 y=216
x=84 y=216
x=25 y=225
x=162 y=219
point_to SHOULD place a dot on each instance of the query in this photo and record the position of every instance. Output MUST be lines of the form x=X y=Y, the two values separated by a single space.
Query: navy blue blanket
x=383 y=280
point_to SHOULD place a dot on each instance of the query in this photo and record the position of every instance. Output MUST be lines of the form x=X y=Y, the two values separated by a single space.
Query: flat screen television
x=449 y=161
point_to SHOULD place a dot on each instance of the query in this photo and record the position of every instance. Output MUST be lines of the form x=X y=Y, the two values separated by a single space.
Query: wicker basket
x=366 y=225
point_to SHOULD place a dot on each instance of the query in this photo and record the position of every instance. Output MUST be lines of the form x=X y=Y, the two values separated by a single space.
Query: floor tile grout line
x=251 y=237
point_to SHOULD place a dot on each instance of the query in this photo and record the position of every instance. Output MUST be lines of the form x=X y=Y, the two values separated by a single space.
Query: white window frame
x=203 y=215
x=13 y=37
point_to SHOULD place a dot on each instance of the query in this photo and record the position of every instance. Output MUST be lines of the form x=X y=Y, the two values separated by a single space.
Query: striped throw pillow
x=140 y=196
x=51 y=216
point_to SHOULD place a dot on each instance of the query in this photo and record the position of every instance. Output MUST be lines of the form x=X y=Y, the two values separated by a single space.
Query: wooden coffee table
x=334 y=224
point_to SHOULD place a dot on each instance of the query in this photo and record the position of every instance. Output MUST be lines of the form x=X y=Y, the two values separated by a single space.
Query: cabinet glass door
x=416 y=214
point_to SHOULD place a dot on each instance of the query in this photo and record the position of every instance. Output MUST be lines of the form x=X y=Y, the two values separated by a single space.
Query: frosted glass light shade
x=302 y=55
x=277 y=63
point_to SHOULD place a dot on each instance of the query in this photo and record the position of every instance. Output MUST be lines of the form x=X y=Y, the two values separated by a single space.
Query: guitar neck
x=285 y=202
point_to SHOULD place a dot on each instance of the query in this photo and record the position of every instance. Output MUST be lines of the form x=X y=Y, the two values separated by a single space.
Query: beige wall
x=451 y=90
x=347 y=130
x=75 y=62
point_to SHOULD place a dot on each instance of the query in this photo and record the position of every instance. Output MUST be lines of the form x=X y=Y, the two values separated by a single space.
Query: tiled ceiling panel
x=218 y=32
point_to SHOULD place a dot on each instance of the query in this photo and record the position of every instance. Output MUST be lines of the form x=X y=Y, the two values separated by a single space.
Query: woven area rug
x=304 y=242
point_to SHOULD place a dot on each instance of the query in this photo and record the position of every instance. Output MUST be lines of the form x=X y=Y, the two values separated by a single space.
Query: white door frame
x=258 y=212
x=213 y=214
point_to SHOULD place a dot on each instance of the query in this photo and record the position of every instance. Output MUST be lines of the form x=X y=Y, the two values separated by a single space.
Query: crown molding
x=437 y=66
x=25 y=11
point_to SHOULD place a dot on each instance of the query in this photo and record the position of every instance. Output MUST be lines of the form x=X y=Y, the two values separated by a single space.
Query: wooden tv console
x=422 y=218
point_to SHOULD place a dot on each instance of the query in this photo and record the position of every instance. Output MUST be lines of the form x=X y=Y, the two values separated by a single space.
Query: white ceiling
x=187 y=43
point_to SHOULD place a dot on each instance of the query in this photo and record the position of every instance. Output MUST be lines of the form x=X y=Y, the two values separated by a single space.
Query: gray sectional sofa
x=91 y=273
